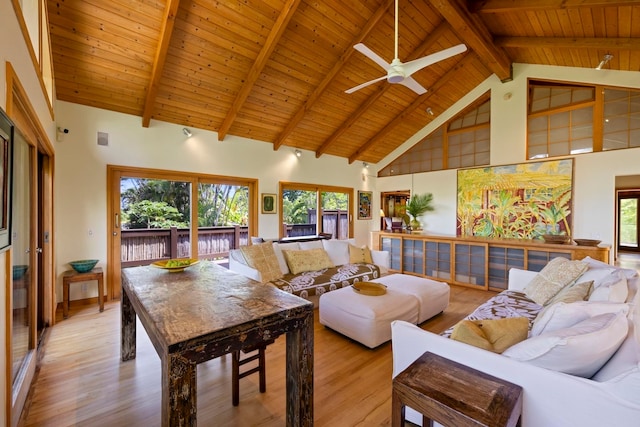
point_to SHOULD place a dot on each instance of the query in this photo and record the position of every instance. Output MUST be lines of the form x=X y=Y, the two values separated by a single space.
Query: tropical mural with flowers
x=520 y=201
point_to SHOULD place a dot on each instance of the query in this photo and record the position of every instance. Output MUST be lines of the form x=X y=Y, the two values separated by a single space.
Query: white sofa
x=311 y=285
x=551 y=398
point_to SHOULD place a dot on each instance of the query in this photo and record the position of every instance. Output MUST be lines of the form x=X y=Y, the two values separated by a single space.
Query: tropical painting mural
x=521 y=201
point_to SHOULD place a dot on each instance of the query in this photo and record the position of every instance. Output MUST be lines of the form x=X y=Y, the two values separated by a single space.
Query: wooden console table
x=207 y=311
x=453 y=394
x=72 y=276
x=477 y=262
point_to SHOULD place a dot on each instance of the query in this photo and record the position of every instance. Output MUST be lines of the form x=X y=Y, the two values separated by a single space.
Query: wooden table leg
x=179 y=403
x=65 y=299
x=300 y=374
x=101 y=291
x=397 y=410
x=128 y=325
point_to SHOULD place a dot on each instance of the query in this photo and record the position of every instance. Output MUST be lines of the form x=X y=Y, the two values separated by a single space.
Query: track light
x=187 y=132
x=365 y=165
x=298 y=153
x=430 y=111
x=605 y=60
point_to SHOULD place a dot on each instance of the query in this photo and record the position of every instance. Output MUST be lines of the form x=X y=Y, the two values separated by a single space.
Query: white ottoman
x=433 y=296
x=367 y=319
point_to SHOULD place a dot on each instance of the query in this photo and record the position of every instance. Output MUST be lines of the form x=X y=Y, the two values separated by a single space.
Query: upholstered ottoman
x=367 y=319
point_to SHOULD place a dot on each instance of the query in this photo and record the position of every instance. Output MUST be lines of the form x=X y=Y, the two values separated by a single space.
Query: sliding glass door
x=628 y=227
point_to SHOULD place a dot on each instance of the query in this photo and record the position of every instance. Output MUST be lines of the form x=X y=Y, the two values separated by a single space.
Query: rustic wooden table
x=207 y=311
x=454 y=395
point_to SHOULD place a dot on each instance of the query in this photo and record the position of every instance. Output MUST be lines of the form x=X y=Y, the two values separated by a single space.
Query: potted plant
x=418 y=205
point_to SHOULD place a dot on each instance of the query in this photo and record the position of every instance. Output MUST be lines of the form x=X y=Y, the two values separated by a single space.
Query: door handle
x=117 y=221
x=39 y=250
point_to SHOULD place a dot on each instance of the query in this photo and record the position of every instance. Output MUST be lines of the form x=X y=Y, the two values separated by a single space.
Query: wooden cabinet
x=474 y=262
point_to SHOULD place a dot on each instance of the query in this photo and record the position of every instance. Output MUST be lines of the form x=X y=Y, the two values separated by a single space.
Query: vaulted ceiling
x=277 y=70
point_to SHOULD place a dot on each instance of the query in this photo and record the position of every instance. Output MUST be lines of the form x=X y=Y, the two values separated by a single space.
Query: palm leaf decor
x=521 y=201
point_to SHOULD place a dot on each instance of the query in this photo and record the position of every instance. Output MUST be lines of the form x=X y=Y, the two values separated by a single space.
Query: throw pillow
x=263 y=258
x=309 y=260
x=494 y=335
x=572 y=293
x=359 y=255
x=558 y=273
x=564 y=315
x=613 y=288
x=579 y=350
x=278 y=248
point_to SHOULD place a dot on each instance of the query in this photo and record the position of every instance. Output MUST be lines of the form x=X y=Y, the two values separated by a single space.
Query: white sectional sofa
x=311 y=284
x=552 y=398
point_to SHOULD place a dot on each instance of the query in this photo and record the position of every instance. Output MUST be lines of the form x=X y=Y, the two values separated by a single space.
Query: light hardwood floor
x=81 y=381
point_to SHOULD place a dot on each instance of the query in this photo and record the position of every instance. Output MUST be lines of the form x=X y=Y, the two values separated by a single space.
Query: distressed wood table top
x=207 y=311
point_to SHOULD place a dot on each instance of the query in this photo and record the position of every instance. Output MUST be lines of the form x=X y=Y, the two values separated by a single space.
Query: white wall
x=594 y=173
x=80 y=187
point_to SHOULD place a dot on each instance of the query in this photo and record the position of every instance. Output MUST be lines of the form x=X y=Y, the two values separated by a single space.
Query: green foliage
x=148 y=214
x=419 y=204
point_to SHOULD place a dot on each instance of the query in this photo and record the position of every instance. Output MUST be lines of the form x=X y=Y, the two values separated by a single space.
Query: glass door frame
x=622 y=195
x=116 y=173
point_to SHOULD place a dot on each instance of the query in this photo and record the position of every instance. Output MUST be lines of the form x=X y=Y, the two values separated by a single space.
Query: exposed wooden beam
x=475 y=34
x=502 y=6
x=418 y=52
x=319 y=90
x=166 y=31
x=609 y=43
x=450 y=76
x=254 y=73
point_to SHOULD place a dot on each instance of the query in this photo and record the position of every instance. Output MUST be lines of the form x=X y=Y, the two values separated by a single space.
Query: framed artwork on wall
x=6 y=156
x=519 y=201
x=364 y=204
x=269 y=203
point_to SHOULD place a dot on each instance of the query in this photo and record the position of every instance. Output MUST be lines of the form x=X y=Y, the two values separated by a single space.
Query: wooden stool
x=72 y=276
x=454 y=395
x=260 y=368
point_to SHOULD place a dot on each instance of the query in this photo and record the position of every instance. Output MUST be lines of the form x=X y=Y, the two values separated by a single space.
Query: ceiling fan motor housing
x=395 y=74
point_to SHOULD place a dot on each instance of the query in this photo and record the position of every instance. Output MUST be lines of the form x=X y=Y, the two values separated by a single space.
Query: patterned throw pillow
x=359 y=255
x=263 y=258
x=309 y=260
x=557 y=274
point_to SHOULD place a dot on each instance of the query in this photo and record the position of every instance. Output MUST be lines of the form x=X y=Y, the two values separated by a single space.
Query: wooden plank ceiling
x=276 y=70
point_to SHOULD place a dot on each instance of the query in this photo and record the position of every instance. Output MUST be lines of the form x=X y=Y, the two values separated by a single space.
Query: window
x=568 y=119
x=308 y=210
x=461 y=142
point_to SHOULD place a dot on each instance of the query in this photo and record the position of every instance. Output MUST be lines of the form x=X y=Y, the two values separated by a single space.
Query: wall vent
x=103 y=138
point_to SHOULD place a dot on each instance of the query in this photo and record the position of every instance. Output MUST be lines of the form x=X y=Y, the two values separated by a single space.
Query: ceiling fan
x=398 y=72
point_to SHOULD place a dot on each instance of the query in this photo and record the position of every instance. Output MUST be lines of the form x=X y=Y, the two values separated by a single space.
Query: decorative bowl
x=83 y=265
x=369 y=288
x=171 y=268
x=558 y=239
x=18 y=271
x=587 y=242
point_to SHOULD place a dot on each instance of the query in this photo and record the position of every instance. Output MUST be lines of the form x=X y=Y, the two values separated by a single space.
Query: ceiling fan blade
x=418 y=64
x=363 y=85
x=360 y=47
x=413 y=85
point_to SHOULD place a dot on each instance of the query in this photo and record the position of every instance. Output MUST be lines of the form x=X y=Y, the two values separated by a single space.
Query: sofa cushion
x=579 y=350
x=263 y=258
x=558 y=273
x=309 y=260
x=612 y=288
x=494 y=335
x=357 y=255
x=278 y=248
x=564 y=315
x=338 y=250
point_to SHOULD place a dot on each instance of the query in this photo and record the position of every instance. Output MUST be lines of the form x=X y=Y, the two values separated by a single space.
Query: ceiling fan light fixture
x=605 y=60
x=187 y=132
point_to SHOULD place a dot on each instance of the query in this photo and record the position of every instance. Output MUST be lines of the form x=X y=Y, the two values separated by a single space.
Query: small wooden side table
x=72 y=276
x=454 y=395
